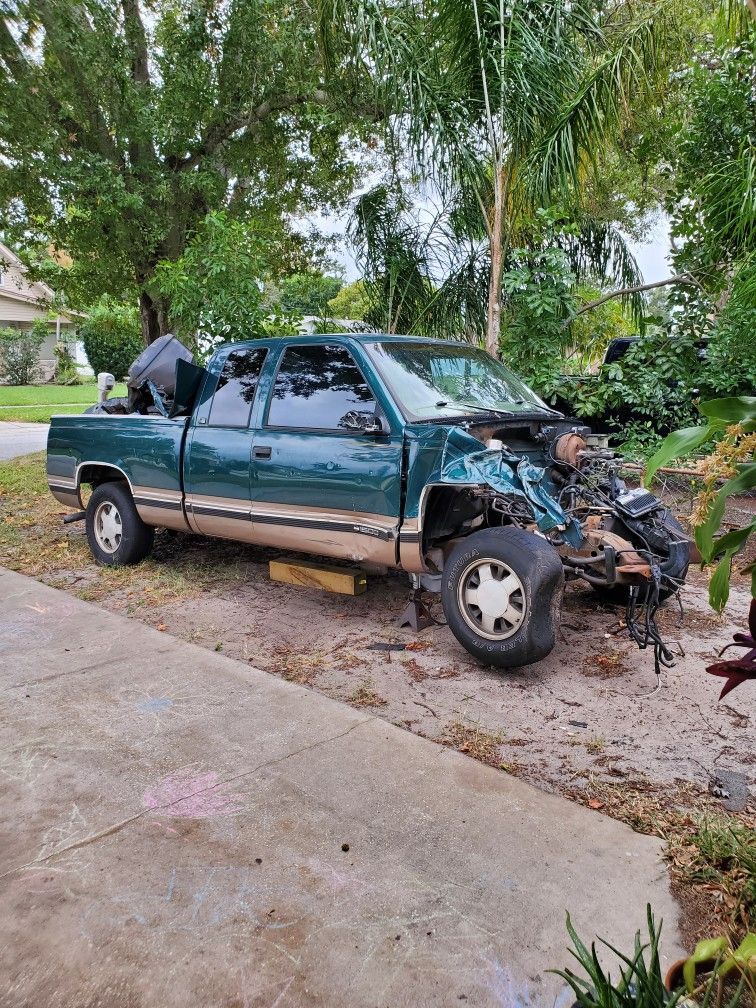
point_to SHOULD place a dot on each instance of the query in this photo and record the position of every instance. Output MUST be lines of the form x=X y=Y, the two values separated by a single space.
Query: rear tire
x=116 y=534
x=502 y=592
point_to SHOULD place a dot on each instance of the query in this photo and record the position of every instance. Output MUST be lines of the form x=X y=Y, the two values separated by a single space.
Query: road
x=180 y=828
x=22 y=438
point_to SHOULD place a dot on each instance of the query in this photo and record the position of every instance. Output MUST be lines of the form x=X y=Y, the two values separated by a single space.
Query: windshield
x=431 y=381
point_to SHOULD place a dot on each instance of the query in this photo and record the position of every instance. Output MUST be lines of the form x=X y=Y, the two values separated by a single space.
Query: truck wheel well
x=447 y=511
x=98 y=473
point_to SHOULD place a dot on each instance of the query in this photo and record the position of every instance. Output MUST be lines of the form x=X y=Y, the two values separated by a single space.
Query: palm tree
x=505 y=106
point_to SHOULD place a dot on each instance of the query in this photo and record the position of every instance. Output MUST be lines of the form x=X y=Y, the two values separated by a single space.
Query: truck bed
x=146 y=450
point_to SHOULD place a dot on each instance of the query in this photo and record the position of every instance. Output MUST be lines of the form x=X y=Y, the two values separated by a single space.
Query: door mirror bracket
x=365 y=423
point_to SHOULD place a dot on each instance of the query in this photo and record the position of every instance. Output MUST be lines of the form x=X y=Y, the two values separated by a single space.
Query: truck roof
x=371 y=337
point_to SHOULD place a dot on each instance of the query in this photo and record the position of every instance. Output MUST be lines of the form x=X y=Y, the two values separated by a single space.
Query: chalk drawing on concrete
x=187 y=795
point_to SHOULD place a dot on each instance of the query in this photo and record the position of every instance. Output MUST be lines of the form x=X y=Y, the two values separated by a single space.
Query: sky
x=652 y=255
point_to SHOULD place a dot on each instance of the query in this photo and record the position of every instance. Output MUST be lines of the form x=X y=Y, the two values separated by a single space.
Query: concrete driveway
x=22 y=438
x=180 y=829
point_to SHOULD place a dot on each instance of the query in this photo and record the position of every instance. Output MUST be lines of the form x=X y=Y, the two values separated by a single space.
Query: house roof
x=37 y=293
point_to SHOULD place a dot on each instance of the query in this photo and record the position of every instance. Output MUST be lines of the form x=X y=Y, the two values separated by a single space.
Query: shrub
x=19 y=354
x=111 y=337
x=66 y=371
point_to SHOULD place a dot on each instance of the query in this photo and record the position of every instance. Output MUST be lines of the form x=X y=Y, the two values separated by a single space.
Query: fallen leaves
x=365 y=696
x=474 y=741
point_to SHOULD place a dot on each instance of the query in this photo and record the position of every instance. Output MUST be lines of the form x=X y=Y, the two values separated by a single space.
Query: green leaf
x=704 y=533
x=733 y=540
x=680 y=442
x=706 y=951
x=719 y=586
x=741 y=958
x=734 y=409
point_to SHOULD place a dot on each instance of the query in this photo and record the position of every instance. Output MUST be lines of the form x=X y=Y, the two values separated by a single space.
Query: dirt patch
x=475 y=741
x=587 y=721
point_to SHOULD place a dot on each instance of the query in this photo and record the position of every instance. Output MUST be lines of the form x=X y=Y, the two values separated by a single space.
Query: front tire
x=116 y=534
x=502 y=592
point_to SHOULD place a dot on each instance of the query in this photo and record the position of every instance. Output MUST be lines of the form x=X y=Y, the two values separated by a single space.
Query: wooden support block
x=344 y=580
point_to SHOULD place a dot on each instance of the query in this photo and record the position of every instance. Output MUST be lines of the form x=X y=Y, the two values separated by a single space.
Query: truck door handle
x=261 y=451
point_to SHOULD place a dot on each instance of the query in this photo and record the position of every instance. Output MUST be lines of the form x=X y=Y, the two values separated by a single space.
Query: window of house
x=316 y=387
x=235 y=391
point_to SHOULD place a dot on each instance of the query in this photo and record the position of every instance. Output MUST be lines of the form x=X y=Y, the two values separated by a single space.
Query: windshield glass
x=431 y=381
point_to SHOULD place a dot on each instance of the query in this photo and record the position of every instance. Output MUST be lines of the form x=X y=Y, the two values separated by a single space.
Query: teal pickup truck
x=391 y=452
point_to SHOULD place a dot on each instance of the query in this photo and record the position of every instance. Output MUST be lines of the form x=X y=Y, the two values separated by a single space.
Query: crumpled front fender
x=464 y=462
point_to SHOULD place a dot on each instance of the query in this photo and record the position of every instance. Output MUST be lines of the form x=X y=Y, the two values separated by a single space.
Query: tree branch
x=624 y=291
x=137 y=40
x=223 y=132
x=141 y=150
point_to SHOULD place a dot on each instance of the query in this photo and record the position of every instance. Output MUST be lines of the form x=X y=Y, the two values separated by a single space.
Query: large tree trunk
x=154 y=316
x=493 y=324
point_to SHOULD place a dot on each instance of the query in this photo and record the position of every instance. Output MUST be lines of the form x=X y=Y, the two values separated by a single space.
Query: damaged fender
x=461 y=460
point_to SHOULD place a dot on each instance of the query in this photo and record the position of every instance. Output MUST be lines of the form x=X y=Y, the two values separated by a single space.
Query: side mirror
x=364 y=423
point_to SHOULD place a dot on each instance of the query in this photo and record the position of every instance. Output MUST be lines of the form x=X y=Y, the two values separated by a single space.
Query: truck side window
x=235 y=392
x=316 y=387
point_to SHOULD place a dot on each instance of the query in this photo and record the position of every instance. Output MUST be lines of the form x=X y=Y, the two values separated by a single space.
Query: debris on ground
x=731 y=787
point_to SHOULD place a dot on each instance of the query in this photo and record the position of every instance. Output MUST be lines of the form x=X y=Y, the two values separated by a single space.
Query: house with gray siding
x=22 y=303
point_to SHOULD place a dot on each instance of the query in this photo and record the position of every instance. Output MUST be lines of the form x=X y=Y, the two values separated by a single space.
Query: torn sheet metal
x=463 y=461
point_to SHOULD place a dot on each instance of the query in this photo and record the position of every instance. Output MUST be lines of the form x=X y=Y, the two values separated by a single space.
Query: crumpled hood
x=464 y=461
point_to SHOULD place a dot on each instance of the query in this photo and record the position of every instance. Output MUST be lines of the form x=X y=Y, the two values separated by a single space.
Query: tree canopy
x=308 y=293
x=506 y=109
x=122 y=124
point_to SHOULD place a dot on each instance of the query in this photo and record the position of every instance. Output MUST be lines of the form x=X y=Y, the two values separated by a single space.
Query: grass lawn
x=37 y=403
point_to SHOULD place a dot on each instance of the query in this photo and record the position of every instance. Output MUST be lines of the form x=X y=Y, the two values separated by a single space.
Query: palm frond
x=599 y=251
x=599 y=106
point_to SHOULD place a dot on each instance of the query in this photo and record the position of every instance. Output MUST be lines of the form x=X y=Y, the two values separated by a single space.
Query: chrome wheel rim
x=491 y=599
x=108 y=527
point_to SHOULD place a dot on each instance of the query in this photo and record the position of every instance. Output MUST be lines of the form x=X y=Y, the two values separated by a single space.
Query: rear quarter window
x=236 y=388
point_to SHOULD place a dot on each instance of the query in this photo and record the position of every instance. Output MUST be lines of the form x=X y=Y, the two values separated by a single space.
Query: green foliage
x=308 y=293
x=123 y=125
x=713 y=204
x=539 y=303
x=637 y=439
x=66 y=372
x=351 y=302
x=727 y=850
x=111 y=337
x=19 y=354
x=712 y=208
x=507 y=109
x=592 y=331
x=731 y=424
x=713 y=960
x=653 y=380
x=641 y=983
x=216 y=288
x=393 y=248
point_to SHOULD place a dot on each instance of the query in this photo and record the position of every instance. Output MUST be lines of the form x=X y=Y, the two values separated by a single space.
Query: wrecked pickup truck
x=422 y=455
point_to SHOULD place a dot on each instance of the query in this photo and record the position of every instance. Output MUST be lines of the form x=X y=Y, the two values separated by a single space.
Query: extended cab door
x=320 y=484
x=219 y=445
